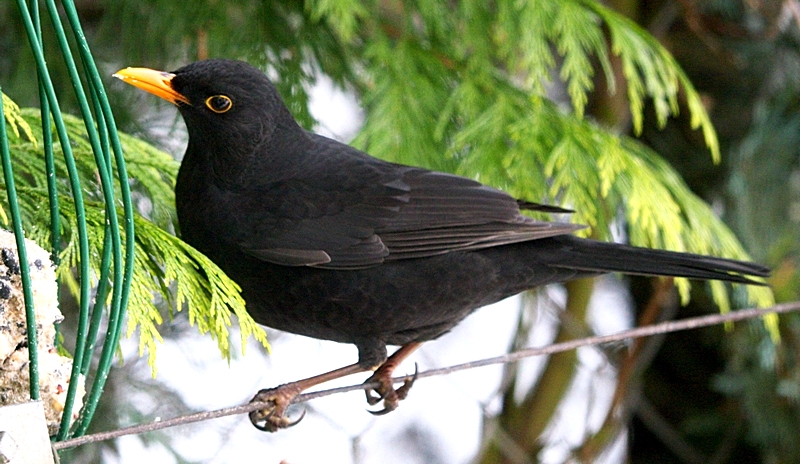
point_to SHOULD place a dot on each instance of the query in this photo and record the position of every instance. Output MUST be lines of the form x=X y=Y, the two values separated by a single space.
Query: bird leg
x=273 y=417
x=383 y=375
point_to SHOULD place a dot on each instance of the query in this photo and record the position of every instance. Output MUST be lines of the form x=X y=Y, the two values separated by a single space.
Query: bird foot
x=273 y=417
x=386 y=392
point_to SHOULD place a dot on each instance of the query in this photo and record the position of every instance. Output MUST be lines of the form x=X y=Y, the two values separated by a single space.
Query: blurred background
x=716 y=395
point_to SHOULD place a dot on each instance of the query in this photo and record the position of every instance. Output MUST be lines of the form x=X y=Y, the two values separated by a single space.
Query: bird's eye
x=219 y=103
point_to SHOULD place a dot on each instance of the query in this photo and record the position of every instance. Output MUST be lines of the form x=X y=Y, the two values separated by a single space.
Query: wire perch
x=639 y=332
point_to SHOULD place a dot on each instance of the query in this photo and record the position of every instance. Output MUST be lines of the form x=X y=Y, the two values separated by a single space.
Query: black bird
x=329 y=242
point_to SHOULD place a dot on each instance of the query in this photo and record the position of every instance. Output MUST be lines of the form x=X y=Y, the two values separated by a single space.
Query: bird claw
x=386 y=392
x=273 y=417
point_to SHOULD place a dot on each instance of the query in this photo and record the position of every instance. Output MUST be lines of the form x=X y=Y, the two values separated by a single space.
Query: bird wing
x=446 y=213
x=354 y=211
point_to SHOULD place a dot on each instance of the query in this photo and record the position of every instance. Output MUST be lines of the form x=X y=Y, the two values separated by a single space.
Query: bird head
x=231 y=109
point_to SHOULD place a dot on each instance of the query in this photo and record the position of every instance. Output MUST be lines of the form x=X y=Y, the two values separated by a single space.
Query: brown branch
x=662 y=328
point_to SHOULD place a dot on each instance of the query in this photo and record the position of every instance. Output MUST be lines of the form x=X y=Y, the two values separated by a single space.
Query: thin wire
x=123 y=272
x=22 y=259
x=656 y=329
x=66 y=149
x=49 y=156
x=95 y=141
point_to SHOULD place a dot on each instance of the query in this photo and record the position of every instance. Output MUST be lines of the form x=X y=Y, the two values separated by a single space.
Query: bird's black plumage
x=331 y=243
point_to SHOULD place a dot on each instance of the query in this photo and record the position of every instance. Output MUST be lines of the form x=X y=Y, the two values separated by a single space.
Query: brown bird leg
x=279 y=398
x=383 y=375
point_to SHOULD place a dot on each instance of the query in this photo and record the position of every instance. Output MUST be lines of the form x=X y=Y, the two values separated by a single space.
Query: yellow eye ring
x=219 y=103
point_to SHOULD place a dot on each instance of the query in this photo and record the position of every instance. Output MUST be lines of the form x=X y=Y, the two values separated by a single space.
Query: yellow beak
x=155 y=82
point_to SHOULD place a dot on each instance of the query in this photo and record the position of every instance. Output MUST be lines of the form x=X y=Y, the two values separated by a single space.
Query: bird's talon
x=297 y=421
x=375 y=398
x=386 y=392
x=402 y=392
x=273 y=416
x=383 y=411
x=390 y=402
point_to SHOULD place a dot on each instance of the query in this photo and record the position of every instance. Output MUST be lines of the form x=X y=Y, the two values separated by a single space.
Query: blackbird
x=329 y=242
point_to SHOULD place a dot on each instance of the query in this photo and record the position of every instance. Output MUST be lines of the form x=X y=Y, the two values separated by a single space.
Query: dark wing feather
x=447 y=213
x=352 y=211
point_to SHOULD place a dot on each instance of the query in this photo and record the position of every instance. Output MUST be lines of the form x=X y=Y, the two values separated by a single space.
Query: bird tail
x=591 y=256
